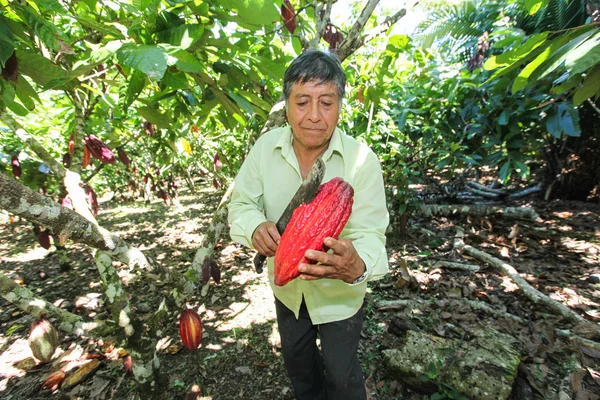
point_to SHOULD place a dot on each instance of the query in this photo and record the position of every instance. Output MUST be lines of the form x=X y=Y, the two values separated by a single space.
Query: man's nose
x=314 y=114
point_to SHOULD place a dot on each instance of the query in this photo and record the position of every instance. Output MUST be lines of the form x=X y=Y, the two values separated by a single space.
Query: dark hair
x=315 y=65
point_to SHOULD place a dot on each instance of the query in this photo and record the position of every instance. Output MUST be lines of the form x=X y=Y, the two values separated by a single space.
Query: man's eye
x=326 y=104
x=301 y=104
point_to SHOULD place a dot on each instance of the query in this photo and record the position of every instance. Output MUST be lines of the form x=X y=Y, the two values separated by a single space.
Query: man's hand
x=344 y=263
x=266 y=238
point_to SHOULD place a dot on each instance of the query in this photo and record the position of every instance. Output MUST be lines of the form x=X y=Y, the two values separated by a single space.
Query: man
x=326 y=300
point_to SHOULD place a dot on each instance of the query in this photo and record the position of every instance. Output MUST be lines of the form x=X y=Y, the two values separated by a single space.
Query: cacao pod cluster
x=289 y=16
x=311 y=223
x=43 y=339
x=190 y=329
x=210 y=269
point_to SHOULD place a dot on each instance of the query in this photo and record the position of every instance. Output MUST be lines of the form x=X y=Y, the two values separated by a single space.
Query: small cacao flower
x=190 y=329
x=16 y=167
x=43 y=339
x=99 y=150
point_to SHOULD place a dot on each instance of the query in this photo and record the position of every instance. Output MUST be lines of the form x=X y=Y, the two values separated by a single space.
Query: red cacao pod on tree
x=87 y=157
x=72 y=144
x=311 y=223
x=43 y=339
x=289 y=17
x=44 y=239
x=16 y=167
x=99 y=150
x=190 y=329
x=123 y=156
x=92 y=198
x=66 y=160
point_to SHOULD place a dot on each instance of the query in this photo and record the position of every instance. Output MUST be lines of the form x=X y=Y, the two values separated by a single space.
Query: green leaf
x=242 y=102
x=399 y=42
x=504 y=173
x=262 y=12
x=504 y=117
x=533 y=6
x=522 y=79
x=589 y=88
x=134 y=88
x=553 y=123
x=516 y=55
x=43 y=29
x=569 y=119
x=296 y=45
x=567 y=85
x=105 y=29
x=26 y=93
x=175 y=80
x=154 y=116
x=186 y=62
x=7 y=43
x=149 y=59
x=585 y=56
x=39 y=68
x=557 y=58
x=17 y=109
x=182 y=36
x=141 y=5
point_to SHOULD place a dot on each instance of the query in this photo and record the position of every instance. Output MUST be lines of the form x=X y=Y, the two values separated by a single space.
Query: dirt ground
x=240 y=357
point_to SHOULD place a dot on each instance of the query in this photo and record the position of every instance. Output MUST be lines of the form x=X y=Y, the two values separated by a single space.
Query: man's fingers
x=337 y=246
x=274 y=233
x=315 y=270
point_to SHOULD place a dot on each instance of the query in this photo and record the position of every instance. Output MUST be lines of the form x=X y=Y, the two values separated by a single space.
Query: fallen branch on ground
x=508 y=270
x=456 y=265
x=430 y=210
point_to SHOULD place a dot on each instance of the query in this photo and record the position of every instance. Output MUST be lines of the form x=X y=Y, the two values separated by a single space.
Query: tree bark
x=36 y=306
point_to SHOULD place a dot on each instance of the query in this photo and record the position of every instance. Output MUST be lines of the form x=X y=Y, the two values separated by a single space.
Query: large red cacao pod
x=287 y=13
x=190 y=329
x=99 y=150
x=43 y=339
x=311 y=223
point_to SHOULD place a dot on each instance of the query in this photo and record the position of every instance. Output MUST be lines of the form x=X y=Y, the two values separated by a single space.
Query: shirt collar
x=286 y=137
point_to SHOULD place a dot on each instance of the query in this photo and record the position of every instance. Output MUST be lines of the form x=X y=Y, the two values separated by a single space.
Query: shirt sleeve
x=369 y=219
x=246 y=207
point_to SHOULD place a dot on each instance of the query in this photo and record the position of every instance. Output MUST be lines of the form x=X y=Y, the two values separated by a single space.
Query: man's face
x=313 y=113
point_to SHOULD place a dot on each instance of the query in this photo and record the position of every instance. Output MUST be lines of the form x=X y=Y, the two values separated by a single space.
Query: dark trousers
x=334 y=373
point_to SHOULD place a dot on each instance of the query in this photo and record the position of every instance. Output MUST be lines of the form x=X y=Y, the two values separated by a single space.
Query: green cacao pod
x=43 y=339
x=311 y=223
x=190 y=329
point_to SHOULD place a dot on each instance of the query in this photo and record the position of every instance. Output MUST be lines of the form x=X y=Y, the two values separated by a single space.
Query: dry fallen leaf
x=81 y=374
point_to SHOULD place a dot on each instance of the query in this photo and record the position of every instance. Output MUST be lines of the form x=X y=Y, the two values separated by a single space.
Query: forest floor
x=240 y=357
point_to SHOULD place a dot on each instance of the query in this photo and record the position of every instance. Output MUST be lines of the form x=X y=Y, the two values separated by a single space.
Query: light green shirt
x=264 y=186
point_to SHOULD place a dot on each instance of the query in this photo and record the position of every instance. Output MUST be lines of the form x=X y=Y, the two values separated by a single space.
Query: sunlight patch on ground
x=17 y=351
x=36 y=253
